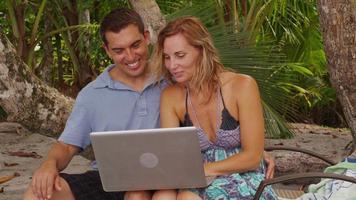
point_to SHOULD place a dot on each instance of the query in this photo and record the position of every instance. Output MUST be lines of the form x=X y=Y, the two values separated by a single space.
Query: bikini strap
x=222 y=98
x=186 y=101
x=191 y=105
x=219 y=101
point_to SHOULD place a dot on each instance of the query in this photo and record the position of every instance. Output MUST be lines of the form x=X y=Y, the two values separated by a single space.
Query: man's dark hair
x=119 y=19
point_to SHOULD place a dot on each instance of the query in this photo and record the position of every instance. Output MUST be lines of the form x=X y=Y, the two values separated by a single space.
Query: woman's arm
x=251 y=130
x=168 y=113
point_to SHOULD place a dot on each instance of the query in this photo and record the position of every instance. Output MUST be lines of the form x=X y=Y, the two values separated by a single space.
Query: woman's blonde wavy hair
x=205 y=78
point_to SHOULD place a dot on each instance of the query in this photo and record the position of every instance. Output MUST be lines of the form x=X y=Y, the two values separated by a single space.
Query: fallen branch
x=24 y=154
x=4 y=179
x=10 y=164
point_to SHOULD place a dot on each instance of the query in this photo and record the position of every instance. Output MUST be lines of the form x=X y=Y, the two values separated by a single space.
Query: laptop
x=149 y=159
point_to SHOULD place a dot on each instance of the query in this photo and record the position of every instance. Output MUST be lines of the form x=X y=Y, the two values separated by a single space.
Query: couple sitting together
x=184 y=84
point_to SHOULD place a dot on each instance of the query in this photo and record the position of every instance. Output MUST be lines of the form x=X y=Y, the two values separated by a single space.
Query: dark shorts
x=88 y=186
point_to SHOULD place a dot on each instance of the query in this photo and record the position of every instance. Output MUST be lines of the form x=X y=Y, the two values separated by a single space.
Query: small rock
x=306 y=141
x=334 y=136
x=10 y=164
x=279 y=144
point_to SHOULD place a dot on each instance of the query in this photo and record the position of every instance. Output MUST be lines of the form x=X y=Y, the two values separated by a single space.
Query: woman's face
x=180 y=58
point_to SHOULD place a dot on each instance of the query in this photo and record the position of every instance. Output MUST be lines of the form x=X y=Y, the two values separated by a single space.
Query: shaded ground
x=16 y=140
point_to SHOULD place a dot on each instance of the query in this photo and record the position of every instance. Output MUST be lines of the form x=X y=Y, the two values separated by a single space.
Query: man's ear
x=147 y=36
x=106 y=48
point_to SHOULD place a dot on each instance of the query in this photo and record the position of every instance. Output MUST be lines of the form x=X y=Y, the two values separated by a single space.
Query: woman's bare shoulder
x=237 y=80
x=173 y=92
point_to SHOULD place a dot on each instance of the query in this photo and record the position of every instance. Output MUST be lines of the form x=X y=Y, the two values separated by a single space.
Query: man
x=123 y=97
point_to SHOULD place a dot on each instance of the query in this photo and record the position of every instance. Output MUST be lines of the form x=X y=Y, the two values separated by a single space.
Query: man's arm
x=46 y=177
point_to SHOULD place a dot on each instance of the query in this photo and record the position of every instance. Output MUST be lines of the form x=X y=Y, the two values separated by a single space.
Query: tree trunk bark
x=338 y=27
x=151 y=15
x=26 y=99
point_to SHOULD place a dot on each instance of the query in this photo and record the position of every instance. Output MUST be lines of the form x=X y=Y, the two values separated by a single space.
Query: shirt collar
x=104 y=80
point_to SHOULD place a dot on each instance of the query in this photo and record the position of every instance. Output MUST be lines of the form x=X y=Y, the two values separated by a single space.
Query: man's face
x=129 y=51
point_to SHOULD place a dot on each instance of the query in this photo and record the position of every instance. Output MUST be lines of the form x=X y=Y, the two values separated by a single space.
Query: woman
x=223 y=105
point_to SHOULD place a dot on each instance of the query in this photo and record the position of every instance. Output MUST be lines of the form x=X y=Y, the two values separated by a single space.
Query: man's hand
x=271 y=164
x=45 y=179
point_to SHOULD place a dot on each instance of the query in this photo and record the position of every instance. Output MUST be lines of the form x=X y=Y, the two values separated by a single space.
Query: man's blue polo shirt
x=108 y=105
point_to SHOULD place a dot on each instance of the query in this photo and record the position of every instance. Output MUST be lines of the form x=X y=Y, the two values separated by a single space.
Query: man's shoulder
x=100 y=81
x=91 y=92
x=89 y=89
x=162 y=83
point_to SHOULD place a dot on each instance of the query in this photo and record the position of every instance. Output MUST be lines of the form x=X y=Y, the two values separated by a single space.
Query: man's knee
x=29 y=195
x=165 y=195
x=137 y=195
x=184 y=194
x=64 y=194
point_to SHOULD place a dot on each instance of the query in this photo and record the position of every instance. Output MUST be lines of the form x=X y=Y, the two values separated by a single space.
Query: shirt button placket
x=142 y=110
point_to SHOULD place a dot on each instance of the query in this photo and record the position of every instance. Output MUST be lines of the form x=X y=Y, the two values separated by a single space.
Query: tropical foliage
x=276 y=41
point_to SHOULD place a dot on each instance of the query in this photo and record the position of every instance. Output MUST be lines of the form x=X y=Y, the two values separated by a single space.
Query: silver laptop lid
x=149 y=159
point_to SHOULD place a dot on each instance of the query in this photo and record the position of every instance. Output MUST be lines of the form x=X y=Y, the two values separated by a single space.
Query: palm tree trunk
x=83 y=71
x=338 y=26
x=60 y=69
x=17 y=18
x=44 y=69
x=244 y=7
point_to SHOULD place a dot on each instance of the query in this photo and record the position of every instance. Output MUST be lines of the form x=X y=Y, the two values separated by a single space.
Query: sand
x=327 y=141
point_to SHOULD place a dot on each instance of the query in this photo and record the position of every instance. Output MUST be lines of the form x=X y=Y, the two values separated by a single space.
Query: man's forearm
x=60 y=155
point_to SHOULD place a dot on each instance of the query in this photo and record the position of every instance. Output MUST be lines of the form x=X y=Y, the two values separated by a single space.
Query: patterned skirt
x=241 y=186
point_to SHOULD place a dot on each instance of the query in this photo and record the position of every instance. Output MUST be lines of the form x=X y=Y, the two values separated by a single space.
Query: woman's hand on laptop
x=209 y=179
x=207 y=170
x=45 y=179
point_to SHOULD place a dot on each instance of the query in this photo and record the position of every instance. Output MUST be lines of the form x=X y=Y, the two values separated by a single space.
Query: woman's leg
x=138 y=195
x=165 y=195
x=186 y=194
